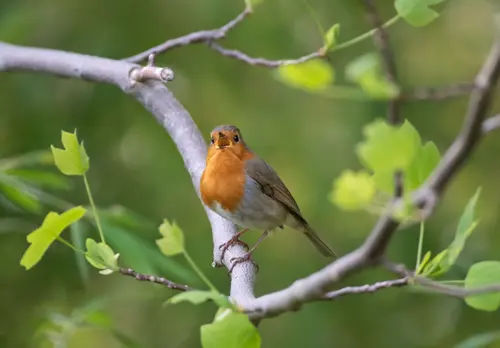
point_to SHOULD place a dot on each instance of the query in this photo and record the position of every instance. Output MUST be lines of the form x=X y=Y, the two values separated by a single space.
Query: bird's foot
x=234 y=240
x=236 y=260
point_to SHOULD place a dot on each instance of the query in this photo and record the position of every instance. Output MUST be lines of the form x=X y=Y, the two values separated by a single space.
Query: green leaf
x=482 y=340
x=422 y=166
x=366 y=71
x=423 y=263
x=41 y=238
x=466 y=226
x=198 y=297
x=172 y=242
x=101 y=256
x=20 y=194
x=230 y=330
x=330 y=39
x=352 y=190
x=312 y=75
x=482 y=274
x=388 y=148
x=38 y=157
x=417 y=12
x=432 y=268
x=41 y=178
x=73 y=160
x=252 y=3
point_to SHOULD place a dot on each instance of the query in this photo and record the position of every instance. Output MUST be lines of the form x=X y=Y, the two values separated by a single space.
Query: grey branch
x=156 y=98
x=368 y=288
x=154 y=279
x=263 y=61
x=383 y=44
x=203 y=36
x=177 y=122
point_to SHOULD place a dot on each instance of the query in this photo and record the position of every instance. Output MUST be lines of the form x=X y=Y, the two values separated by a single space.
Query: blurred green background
x=307 y=138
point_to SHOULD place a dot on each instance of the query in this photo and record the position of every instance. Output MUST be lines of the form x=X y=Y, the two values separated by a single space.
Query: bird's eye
x=236 y=138
x=212 y=140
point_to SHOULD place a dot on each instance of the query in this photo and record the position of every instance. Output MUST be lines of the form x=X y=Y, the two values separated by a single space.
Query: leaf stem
x=68 y=244
x=364 y=36
x=199 y=272
x=315 y=18
x=94 y=209
x=420 y=245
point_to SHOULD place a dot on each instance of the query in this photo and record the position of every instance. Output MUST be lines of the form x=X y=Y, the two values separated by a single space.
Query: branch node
x=150 y=72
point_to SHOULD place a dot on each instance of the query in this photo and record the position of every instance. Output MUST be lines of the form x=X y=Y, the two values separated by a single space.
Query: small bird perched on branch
x=241 y=187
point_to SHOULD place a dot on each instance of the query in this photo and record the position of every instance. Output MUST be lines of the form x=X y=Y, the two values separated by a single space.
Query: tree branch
x=156 y=98
x=154 y=279
x=203 y=36
x=383 y=44
x=363 y=289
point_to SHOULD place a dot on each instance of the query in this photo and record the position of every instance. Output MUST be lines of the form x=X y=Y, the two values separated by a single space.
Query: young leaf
x=482 y=274
x=466 y=226
x=41 y=238
x=352 y=190
x=198 y=296
x=73 y=160
x=367 y=73
x=231 y=330
x=172 y=242
x=101 y=256
x=417 y=12
x=330 y=39
x=252 y=3
x=422 y=166
x=312 y=75
x=423 y=263
x=388 y=148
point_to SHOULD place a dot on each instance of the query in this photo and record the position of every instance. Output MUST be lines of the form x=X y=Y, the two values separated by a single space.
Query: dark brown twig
x=154 y=279
x=202 y=36
x=383 y=44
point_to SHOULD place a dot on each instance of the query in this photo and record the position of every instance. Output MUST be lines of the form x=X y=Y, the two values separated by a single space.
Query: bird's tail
x=317 y=242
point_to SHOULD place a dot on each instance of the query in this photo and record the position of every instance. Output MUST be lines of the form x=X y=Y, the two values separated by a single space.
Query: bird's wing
x=272 y=185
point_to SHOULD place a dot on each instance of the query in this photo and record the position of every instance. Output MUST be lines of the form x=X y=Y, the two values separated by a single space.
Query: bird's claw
x=236 y=260
x=232 y=241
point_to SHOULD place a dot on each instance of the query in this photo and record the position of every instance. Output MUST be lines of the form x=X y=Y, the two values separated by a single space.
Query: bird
x=241 y=187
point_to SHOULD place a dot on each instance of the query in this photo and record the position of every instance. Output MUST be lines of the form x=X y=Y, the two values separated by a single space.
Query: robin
x=241 y=187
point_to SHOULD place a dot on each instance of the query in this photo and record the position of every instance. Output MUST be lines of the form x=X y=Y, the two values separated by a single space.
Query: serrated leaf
x=199 y=296
x=101 y=256
x=417 y=12
x=312 y=75
x=388 y=148
x=172 y=242
x=73 y=160
x=331 y=35
x=41 y=238
x=233 y=330
x=366 y=71
x=482 y=274
x=353 y=191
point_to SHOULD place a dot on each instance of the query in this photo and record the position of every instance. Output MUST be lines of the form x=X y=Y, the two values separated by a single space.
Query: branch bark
x=156 y=98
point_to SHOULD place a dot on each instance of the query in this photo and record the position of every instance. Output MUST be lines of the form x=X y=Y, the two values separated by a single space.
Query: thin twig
x=383 y=44
x=262 y=61
x=491 y=124
x=154 y=279
x=192 y=38
x=438 y=93
x=363 y=289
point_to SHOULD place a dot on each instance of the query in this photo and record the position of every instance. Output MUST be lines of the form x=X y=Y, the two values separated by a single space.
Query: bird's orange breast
x=223 y=180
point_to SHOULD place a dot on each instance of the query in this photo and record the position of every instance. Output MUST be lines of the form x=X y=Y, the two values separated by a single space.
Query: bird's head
x=227 y=138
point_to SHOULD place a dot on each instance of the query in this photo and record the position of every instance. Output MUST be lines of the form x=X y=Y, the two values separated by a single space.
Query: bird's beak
x=222 y=141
